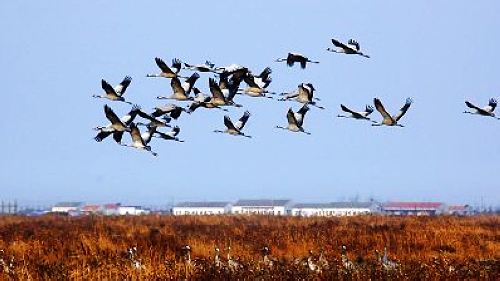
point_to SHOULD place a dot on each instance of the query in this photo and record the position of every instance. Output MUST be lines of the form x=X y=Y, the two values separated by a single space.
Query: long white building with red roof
x=414 y=208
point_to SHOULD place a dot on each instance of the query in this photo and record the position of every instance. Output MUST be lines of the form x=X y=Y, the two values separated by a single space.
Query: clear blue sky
x=54 y=53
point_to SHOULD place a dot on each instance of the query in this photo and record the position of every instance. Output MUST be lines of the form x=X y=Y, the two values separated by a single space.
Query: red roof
x=412 y=205
x=90 y=208
x=111 y=206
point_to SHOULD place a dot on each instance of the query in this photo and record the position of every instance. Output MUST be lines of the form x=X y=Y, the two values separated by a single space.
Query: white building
x=66 y=207
x=261 y=207
x=460 y=210
x=132 y=210
x=201 y=208
x=334 y=209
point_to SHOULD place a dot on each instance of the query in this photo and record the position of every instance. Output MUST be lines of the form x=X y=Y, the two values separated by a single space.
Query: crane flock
x=224 y=87
x=312 y=262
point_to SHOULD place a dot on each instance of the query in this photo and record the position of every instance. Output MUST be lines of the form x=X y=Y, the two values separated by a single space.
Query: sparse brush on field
x=234 y=247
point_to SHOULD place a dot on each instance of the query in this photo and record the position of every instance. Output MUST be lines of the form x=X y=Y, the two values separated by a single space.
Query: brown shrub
x=56 y=247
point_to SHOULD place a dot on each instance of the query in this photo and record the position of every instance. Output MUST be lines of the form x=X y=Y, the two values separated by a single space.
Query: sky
x=53 y=55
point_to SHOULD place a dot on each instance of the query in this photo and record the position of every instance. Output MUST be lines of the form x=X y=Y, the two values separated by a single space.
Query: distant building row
x=286 y=207
x=273 y=207
x=79 y=208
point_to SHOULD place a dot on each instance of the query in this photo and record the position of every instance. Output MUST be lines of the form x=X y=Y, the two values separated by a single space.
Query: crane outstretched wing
x=177 y=65
x=353 y=113
x=229 y=124
x=339 y=44
x=250 y=80
x=110 y=114
x=108 y=88
x=265 y=73
x=492 y=104
x=122 y=87
x=354 y=43
x=478 y=109
x=136 y=134
x=117 y=136
x=290 y=116
x=368 y=109
x=243 y=120
x=102 y=135
x=165 y=136
x=163 y=66
x=303 y=110
x=215 y=90
x=380 y=108
x=403 y=109
x=176 y=85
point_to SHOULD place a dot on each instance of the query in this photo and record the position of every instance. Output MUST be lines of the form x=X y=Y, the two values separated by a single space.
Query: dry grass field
x=94 y=247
